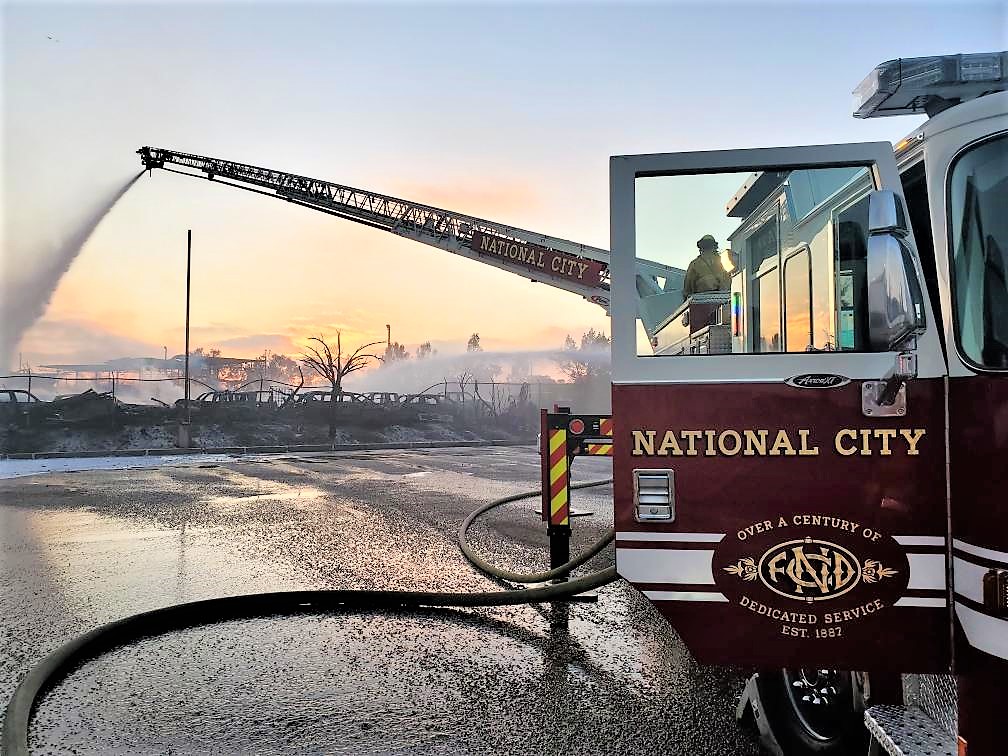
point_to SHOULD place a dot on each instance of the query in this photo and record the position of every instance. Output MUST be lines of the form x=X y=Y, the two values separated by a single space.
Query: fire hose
x=48 y=673
x=518 y=577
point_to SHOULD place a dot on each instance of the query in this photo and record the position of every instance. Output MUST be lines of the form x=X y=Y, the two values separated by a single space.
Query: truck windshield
x=978 y=225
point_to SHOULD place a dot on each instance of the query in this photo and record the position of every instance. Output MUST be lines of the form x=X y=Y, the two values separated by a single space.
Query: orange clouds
x=268 y=274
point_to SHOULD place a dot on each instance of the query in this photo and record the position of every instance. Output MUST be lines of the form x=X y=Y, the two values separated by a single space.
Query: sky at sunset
x=504 y=111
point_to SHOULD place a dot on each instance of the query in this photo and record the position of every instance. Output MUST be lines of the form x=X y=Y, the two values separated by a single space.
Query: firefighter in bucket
x=706 y=272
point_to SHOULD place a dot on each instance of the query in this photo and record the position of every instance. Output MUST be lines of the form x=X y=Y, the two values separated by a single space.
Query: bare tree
x=592 y=339
x=395 y=352
x=463 y=380
x=587 y=362
x=498 y=399
x=293 y=394
x=280 y=367
x=335 y=369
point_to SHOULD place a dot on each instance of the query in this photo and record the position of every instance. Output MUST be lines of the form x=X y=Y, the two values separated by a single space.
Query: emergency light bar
x=929 y=85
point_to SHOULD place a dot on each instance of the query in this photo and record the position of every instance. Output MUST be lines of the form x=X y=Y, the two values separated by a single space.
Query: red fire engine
x=808 y=465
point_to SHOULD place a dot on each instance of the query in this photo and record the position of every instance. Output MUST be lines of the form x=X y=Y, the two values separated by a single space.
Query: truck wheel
x=815 y=711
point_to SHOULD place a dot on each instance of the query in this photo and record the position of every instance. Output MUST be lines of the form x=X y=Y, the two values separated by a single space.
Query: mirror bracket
x=887 y=397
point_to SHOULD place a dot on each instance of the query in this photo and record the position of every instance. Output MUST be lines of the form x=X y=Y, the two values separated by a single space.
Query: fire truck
x=808 y=466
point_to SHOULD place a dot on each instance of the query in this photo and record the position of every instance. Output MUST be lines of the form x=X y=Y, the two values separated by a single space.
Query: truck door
x=779 y=449
x=970 y=170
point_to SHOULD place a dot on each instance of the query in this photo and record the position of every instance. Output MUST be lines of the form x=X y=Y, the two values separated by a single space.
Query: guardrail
x=275 y=449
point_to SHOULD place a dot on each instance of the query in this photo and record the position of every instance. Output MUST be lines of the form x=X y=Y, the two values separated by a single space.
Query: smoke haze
x=413 y=375
x=25 y=298
x=437 y=374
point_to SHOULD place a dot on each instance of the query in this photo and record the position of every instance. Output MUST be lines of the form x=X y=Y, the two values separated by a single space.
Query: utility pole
x=188 y=288
x=262 y=375
x=185 y=431
x=388 y=341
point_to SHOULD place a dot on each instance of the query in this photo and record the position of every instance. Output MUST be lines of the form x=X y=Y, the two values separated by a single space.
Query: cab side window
x=764 y=247
x=978 y=240
x=851 y=240
x=914 y=182
x=766 y=313
x=793 y=244
x=798 y=303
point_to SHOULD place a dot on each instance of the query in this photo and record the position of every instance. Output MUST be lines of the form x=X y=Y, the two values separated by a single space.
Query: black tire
x=814 y=711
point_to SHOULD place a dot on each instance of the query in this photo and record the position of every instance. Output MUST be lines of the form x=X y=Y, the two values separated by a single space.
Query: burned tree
x=587 y=362
x=335 y=368
x=395 y=352
x=292 y=396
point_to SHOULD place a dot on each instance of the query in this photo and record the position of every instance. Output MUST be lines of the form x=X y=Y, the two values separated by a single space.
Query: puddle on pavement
x=339 y=683
x=342 y=683
x=110 y=567
x=390 y=683
x=297 y=494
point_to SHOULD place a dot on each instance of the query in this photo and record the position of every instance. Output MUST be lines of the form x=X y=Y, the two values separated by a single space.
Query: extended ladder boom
x=574 y=267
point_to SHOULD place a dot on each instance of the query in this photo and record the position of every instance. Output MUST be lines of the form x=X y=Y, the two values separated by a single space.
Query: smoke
x=126 y=390
x=508 y=370
x=25 y=298
x=516 y=367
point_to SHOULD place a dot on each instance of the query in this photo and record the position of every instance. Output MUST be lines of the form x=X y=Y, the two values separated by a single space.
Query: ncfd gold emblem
x=809 y=570
x=815 y=574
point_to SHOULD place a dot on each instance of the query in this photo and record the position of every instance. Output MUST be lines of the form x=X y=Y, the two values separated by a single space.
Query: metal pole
x=187 y=289
x=262 y=375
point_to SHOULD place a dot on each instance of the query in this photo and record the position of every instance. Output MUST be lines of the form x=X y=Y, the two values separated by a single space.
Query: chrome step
x=907 y=731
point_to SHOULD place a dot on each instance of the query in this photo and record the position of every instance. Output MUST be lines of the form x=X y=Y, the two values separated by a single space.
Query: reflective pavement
x=78 y=549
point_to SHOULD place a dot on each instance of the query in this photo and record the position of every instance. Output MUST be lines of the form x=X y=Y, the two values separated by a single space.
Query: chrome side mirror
x=895 y=298
x=885 y=213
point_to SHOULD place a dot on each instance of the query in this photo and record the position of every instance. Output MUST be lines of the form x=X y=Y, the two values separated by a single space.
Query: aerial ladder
x=578 y=268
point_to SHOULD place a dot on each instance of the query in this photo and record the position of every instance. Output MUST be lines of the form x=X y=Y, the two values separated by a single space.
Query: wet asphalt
x=81 y=549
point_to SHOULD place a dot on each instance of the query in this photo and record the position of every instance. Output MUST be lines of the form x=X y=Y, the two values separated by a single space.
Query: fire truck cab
x=809 y=465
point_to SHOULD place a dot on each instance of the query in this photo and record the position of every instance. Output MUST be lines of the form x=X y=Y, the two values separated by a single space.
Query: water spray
x=24 y=301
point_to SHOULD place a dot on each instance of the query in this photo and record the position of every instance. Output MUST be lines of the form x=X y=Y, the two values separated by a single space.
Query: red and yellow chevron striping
x=600 y=450
x=558 y=478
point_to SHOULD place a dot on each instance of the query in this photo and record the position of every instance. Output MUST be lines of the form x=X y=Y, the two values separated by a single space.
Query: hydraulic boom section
x=577 y=268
